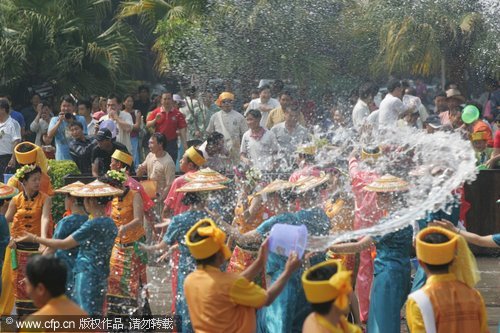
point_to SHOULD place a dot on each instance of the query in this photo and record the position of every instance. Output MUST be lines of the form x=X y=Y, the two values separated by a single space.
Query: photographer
x=40 y=124
x=59 y=127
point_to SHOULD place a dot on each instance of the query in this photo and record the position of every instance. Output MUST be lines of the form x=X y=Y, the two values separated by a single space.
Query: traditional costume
x=96 y=238
x=289 y=310
x=173 y=201
x=336 y=289
x=26 y=219
x=448 y=302
x=392 y=268
x=64 y=228
x=365 y=214
x=176 y=231
x=6 y=192
x=219 y=301
x=34 y=156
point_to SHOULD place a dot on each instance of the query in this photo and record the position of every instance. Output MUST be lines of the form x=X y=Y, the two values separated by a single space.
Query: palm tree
x=68 y=43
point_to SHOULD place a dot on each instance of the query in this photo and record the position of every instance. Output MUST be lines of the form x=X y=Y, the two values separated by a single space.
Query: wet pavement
x=489 y=286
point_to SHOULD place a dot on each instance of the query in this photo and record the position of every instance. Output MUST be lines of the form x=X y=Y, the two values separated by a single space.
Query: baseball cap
x=103 y=134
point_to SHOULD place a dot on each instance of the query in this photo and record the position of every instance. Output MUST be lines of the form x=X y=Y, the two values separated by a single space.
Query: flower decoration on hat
x=117 y=175
x=25 y=169
x=252 y=176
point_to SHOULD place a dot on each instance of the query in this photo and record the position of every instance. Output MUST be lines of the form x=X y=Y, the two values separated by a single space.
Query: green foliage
x=57 y=171
x=70 y=43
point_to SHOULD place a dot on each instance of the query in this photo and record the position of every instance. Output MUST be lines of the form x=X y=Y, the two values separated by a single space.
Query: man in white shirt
x=392 y=108
x=10 y=136
x=258 y=145
x=230 y=123
x=122 y=120
x=289 y=134
x=361 y=110
x=265 y=103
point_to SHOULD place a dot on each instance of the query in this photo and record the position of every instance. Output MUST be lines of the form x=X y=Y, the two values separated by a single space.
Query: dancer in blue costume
x=288 y=312
x=65 y=227
x=176 y=232
x=95 y=239
x=391 y=283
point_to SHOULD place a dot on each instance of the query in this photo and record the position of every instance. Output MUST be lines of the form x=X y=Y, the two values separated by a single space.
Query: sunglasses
x=227 y=101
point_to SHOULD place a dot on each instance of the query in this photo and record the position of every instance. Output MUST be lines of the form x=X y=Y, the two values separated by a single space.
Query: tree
x=69 y=43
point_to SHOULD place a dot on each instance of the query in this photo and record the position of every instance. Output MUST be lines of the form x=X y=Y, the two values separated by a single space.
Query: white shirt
x=288 y=141
x=390 y=109
x=260 y=152
x=10 y=131
x=372 y=119
x=256 y=104
x=39 y=127
x=359 y=113
x=91 y=128
x=230 y=124
x=123 y=137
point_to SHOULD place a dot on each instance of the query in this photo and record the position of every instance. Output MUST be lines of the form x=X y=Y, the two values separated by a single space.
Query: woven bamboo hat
x=277 y=185
x=70 y=187
x=310 y=182
x=96 y=189
x=7 y=192
x=206 y=175
x=387 y=183
x=201 y=187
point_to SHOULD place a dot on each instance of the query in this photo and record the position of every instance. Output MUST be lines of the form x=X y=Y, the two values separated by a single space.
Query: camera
x=69 y=116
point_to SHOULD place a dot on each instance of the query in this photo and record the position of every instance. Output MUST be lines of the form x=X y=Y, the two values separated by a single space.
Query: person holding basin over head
x=95 y=239
x=224 y=301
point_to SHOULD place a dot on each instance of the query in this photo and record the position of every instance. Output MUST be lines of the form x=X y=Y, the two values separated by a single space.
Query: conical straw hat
x=196 y=186
x=311 y=182
x=206 y=175
x=387 y=183
x=7 y=192
x=277 y=185
x=70 y=187
x=96 y=189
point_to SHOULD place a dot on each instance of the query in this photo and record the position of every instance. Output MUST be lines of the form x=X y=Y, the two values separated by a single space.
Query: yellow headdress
x=455 y=251
x=223 y=96
x=337 y=287
x=123 y=157
x=478 y=136
x=371 y=153
x=207 y=247
x=34 y=156
x=194 y=156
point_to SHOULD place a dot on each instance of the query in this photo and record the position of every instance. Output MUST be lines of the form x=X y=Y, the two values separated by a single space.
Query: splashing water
x=434 y=165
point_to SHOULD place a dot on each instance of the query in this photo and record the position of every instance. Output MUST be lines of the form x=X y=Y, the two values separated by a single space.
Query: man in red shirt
x=169 y=121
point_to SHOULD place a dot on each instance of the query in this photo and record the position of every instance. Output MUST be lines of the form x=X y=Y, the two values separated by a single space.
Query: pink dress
x=365 y=214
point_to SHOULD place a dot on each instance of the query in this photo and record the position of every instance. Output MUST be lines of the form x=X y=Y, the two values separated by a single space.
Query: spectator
x=230 y=123
x=59 y=127
x=94 y=99
x=258 y=145
x=277 y=115
x=101 y=153
x=40 y=124
x=143 y=104
x=215 y=153
x=45 y=285
x=80 y=148
x=84 y=110
x=11 y=136
x=158 y=165
x=440 y=104
x=128 y=104
x=265 y=103
x=392 y=108
x=122 y=120
x=29 y=114
x=289 y=135
x=254 y=94
x=361 y=110
x=168 y=120
x=17 y=116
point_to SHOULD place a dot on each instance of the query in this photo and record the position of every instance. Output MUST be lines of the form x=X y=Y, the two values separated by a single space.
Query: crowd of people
x=242 y=172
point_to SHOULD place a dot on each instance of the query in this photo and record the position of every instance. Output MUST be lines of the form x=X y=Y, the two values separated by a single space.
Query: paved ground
x=489 y=286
